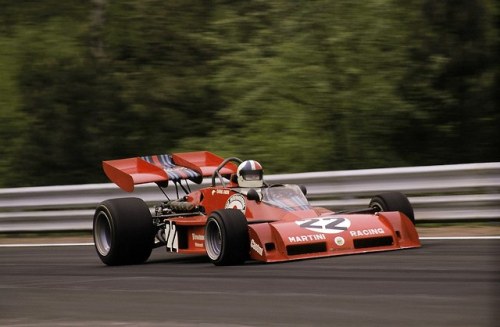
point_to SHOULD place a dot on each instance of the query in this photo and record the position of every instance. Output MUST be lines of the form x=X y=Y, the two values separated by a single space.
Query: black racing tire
x=393 y=201
x=226 y=237
x=123 y=231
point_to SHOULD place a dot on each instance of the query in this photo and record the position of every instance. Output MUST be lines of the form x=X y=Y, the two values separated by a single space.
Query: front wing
x=330 y=236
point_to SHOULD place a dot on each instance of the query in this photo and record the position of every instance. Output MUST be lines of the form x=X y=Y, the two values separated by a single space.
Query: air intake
x=306 y=248
x=373 y=242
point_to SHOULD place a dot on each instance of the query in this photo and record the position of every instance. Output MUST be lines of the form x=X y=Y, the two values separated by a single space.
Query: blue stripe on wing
x=175 y=172
x=148 y=159
x=183 y=171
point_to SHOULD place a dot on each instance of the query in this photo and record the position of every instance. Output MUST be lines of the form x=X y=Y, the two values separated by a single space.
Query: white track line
x=21 y=245
x=460 y=238
x=25 y=245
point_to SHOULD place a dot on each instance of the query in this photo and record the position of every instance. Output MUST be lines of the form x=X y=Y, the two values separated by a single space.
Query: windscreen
x=288 y=197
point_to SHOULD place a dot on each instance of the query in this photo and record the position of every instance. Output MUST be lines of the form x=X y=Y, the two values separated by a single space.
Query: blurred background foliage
x=298 y=85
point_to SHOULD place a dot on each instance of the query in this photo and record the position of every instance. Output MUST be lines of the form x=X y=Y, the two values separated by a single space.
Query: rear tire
x=226 y=237
x=123 y=231
x=393 y=201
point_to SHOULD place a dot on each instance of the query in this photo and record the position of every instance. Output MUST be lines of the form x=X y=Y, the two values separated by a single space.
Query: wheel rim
x=102 y=233
x=213 y=239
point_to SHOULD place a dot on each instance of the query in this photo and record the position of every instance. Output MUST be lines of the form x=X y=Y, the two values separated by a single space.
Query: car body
x=232 y=224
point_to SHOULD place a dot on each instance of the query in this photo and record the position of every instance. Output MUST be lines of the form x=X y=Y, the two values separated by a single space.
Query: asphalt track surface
x=444 y=283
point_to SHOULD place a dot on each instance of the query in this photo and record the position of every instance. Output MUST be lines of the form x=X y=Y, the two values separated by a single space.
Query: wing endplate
x=128 y=172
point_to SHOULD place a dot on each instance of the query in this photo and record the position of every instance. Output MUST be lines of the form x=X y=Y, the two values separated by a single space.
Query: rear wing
x=126 y=173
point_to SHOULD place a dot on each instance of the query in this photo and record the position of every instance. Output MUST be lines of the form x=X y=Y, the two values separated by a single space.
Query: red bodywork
x=279 y=229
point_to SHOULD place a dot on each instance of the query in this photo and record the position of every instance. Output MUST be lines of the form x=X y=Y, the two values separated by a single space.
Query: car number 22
x=171 y=237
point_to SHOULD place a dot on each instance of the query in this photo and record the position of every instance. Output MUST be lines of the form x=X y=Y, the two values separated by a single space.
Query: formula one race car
x=239 y=218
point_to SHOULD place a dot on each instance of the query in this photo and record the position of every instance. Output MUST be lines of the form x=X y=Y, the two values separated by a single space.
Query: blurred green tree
x=300 y=86
x=307 y=86
x=91 y=90
x=451 y=81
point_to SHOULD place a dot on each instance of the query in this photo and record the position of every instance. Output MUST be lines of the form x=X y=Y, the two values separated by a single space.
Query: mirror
x=253 y=195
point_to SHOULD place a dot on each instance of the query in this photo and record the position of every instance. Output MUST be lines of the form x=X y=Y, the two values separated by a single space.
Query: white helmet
x=250 y=174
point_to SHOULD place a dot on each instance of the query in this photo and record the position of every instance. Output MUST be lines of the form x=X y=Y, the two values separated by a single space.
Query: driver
x=250 y=174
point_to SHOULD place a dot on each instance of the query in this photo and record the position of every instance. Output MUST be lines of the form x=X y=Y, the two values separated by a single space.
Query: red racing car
x=238 y=217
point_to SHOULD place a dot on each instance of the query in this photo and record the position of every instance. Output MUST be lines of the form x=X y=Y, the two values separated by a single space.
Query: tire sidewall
x=131 y=231
x=106 y=258
x=235 y=243
x=393 y=201
x=215 y=218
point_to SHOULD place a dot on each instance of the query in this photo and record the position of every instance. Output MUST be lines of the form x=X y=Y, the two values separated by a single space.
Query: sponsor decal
x=329 y=225
x=339 y=240
x=367 y=232
x=256 y=247
x=306 y=238
x=236 y=201
x=197 y=237
x=198 y=245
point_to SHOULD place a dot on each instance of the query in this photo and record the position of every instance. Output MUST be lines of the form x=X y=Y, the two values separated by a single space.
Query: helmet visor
x=252 y=175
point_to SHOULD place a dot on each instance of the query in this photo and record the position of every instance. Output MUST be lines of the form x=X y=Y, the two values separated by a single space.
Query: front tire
x=393 y=201
x=226 y=237
x=123 y=231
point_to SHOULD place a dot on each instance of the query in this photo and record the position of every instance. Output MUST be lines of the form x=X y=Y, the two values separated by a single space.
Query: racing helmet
x=250 y=174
